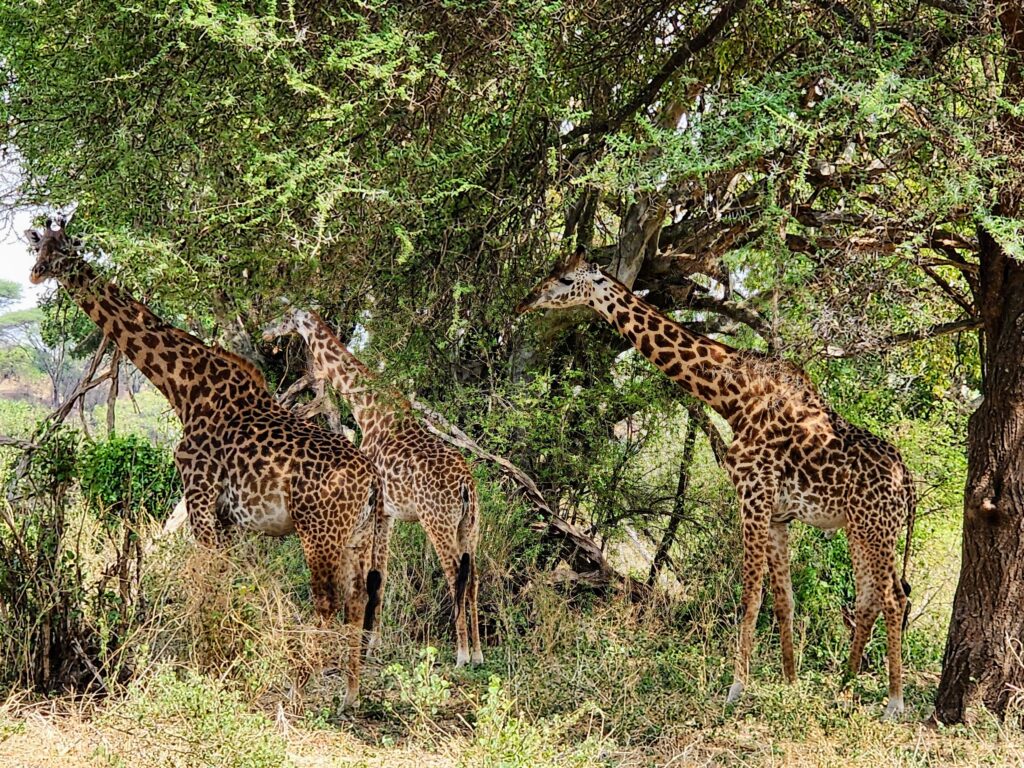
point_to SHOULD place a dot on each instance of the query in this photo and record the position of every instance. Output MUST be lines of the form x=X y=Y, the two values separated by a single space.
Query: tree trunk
x=984 y=658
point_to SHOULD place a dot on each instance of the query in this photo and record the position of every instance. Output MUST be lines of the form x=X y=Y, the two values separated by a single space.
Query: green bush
x=41 y=581
x=128 y=478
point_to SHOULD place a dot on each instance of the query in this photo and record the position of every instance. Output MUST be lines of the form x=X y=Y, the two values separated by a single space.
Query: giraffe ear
x=34 y=238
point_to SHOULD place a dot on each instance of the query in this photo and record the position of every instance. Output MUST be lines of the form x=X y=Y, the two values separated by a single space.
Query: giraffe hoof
x=478 y=659
x=893 y=710
x=735 y=691
x=461 y=659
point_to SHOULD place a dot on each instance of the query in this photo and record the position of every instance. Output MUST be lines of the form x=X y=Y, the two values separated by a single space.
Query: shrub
x=186 y=721
x=503 y=738
x=422 y=690
x=41 y=583
x=124 y=478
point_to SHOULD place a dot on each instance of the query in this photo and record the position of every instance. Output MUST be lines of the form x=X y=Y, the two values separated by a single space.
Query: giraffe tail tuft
x=466 y=523
x=374 y=579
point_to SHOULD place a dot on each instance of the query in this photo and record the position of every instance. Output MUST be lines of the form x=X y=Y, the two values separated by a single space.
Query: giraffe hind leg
x=894 y=609
x=474 y=616
x=451 y=559
x=356 y=618
x=463 y=575
x=782 y=594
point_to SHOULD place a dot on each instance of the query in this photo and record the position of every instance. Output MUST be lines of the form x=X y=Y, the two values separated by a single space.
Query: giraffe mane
x=250 y=368
x=400 y=399
x=246 y=365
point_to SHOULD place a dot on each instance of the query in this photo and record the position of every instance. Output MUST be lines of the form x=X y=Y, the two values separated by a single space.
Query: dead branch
x=588 y=551
x=291 y=395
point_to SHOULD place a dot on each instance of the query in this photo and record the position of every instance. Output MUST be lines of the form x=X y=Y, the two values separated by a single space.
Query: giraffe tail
x=375 y=578
x=461 y=581
x=466 y=560
x=910 y=496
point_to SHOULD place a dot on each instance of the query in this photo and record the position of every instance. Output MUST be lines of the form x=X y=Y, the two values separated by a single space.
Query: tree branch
x=931 y=332
x=588 y=551
x=674 y=62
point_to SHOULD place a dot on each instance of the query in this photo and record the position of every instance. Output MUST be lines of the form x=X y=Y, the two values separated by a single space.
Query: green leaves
x=128 y=479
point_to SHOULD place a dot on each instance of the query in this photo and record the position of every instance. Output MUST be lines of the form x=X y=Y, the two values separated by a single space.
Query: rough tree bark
x=984 y=658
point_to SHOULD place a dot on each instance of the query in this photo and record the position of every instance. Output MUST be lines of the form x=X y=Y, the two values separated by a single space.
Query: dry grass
x=53 y=734
x=229 y=667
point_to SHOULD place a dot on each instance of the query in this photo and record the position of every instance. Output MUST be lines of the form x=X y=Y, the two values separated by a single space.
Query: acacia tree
x=816 y=179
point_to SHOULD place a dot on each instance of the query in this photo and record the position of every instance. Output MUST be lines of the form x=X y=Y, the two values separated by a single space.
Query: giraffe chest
x=398 y=461
x=402 y=497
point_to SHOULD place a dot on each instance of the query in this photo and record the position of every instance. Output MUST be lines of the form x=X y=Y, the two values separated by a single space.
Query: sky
x=15 y=259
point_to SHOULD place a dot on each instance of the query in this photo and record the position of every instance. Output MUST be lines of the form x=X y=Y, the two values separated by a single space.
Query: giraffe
x=424 y=478
x=792 y=458
x=245 y=461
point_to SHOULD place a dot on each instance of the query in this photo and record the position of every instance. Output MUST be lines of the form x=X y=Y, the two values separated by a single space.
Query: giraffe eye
x=565 y=281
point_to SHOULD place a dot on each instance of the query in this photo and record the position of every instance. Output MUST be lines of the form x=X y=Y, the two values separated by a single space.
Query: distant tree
x=10 y=293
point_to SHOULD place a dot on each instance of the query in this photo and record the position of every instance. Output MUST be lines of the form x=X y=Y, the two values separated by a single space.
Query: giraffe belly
x=402 y=512
x=810 y=507
x=268 y=514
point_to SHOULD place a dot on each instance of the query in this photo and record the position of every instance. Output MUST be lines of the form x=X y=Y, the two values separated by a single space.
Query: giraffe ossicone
x=792 y=458
x=425 y=479
x=245 y=461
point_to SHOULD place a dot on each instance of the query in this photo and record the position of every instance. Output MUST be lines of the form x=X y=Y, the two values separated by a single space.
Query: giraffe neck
x=193 y=377
x=703 y=367
x=375 y=411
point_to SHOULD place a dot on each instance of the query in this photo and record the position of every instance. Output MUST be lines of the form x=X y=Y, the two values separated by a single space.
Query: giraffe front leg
x=201 y=494
x=201 y=484
x=756 y=515
x=865 y=607
x=782 y=594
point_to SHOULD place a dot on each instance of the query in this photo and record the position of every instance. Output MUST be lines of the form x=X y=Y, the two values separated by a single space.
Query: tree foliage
x=807 y=178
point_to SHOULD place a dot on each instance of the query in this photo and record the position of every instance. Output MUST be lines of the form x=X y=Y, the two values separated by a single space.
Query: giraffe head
x=55 y=251
x=570 y=284
x=288 y=324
